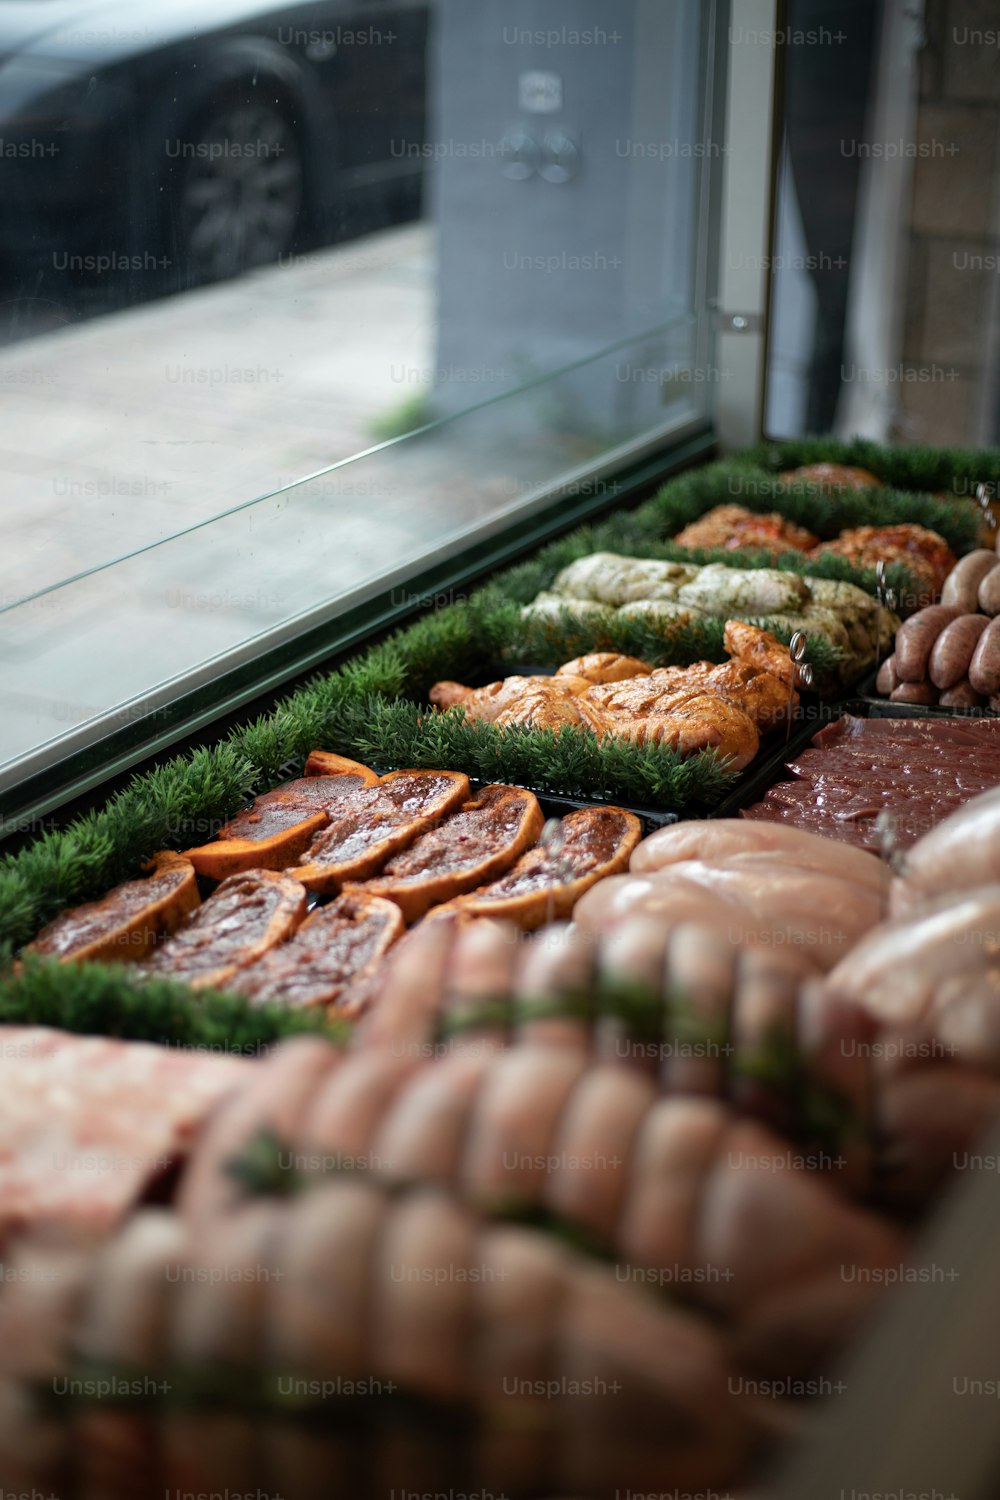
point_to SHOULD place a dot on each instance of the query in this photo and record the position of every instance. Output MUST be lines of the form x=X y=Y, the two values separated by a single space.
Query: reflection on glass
x=253 y=242
x=885 y=317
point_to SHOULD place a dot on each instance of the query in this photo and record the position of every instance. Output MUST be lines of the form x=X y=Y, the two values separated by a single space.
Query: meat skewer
x=699 y=1017
x=527 y=1362
x=540 y=1130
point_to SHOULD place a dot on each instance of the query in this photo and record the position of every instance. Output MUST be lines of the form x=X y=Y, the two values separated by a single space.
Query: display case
x=544 y=453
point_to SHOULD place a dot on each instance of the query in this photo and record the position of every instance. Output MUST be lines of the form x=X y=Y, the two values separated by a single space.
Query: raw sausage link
x=123 y=1326
x=277 y=1095
x=556 y=963
x=988 y=598
x=984 y=671
x=888 y=678
x=506 y=1336
x=961 y=587
x=962 y=695
x=38 y=1311
x=217 y=1321
x=913 y=692
x=953 y=650
x=915 y=640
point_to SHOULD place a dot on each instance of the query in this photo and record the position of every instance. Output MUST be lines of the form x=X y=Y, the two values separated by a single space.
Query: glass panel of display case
x=297 y=294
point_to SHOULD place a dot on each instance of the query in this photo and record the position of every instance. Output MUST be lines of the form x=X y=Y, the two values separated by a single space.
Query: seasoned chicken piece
x=856 y=611
x=758 y=648
x=484 y=703
x=733 y=527
x=550 y=707
x=549 y=606
x=845 y=599
x=611 y=579
x=820 y=619
x=827 y=476
x=604 y=666
x=578 y=686
x=652 y=694
x=762 y=695
x=702 y=722
x=925 y=553
x=744 y=591
x=670 y=679
x=662 y=613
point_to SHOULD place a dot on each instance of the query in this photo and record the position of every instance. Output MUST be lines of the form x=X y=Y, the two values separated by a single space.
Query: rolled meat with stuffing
x=267 y=1110
x=399 y=1002
x=721 y=838
x=539 y=1131
x=757 y=1026
x=555 y=976
x=121 y=1336
x=398 y=1340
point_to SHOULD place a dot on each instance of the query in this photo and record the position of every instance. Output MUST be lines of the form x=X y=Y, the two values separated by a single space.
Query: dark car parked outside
x=173 y=142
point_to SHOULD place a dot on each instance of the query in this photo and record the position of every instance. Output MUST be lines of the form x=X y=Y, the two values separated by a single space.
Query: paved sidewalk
x=124 y=429
x=121 y=431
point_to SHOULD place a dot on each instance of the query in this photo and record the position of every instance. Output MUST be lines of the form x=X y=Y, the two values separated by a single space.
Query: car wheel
x=238 y=192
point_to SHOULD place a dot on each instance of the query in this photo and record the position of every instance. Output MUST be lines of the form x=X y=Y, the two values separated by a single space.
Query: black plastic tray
x=883 y=708
x=865 y=692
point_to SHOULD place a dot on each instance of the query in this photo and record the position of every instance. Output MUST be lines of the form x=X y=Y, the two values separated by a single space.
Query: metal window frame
x=752 y=139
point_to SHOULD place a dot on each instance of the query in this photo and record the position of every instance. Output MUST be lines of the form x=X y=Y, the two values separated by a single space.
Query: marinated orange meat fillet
x=604 y=666
x=126 y=923
x=828 y=476
x=546 y=882
x=701 y=722
x=733 y=527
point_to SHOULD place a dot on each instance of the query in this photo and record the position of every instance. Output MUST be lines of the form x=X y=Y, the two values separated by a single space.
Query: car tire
x=236 y=189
